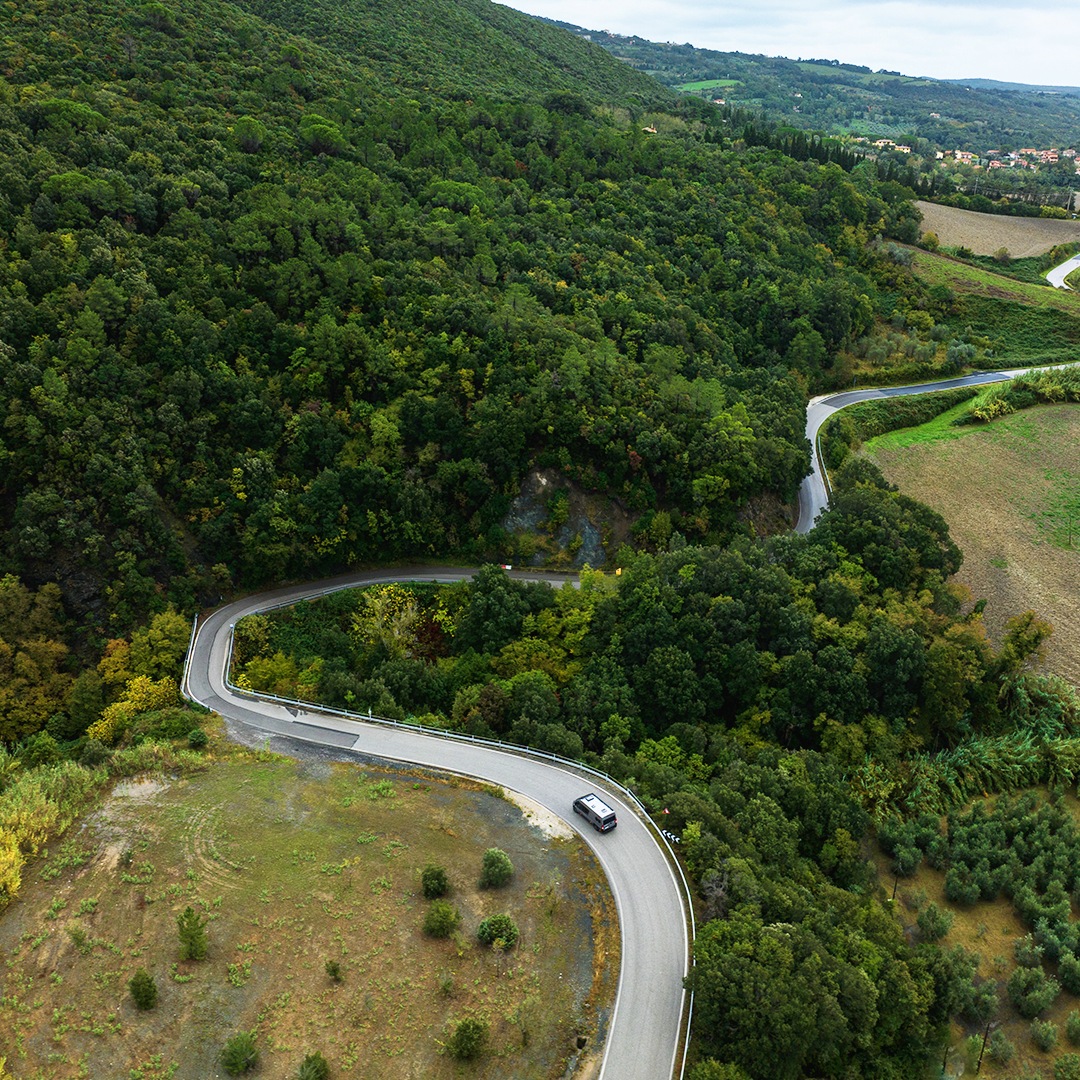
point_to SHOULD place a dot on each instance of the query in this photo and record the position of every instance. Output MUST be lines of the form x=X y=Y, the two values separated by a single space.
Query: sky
x=1012 y=40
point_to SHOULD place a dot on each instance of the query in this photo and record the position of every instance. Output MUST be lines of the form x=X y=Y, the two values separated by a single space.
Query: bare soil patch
x=985 y=234
x=996 y=487
x=294 y=864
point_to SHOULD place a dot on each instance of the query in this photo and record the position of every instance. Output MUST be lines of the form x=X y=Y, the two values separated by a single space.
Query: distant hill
x=997 y=84
x=836 y=98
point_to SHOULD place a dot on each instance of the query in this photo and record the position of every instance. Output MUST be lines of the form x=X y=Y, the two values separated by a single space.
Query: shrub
x=1067 y=1067
x=982 y=1002
x=175 y=722
x=333 y=969
x=906 y=860
x=1069 y=972
x=1043 y=1034
x=434 y=882
x=1072 y=1027
x=934 y=922
x=498 y=928
x=313 y=1067
x=192 y=932
x=497 y=869
x=467 y=1041
x=714 y=1070
x=1031 y=991
x=240 y=1054
x=197 y=739
x=40 y=749
x=93 y=753
x=1029 y=953
x=1001 y=1048
x=442 y=919
x=143 y=989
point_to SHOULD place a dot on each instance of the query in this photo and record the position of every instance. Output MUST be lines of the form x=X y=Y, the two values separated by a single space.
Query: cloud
x=1013 y=40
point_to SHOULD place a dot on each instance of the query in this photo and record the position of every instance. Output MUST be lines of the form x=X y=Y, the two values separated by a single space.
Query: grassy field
x=707 y=84
x=968 y=280
x=1010 y=492
x=1024 y=323
x=293 y=865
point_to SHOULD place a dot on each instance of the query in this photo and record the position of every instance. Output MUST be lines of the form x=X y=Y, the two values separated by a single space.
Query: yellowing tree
x=142 y=694
x=389 y=617
x=159 y=649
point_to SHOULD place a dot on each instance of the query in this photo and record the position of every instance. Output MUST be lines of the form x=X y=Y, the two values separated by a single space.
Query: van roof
x=597 y=805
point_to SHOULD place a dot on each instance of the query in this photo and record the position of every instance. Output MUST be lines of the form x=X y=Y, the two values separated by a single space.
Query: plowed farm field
x=985 y=234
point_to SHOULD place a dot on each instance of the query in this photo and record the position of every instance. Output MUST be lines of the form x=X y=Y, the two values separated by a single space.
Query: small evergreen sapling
x=442 y=919
x=498 y=929
x=433 y=882
x=1044 y=1034
x=240 y=1054
x=143 y=989
x=314 y=1067
x=192 y=932
x=468 y=1039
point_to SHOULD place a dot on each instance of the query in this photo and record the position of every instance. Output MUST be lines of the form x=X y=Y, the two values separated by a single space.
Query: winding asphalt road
x=651 y=1012
x=813 y=493
x=644 y=1031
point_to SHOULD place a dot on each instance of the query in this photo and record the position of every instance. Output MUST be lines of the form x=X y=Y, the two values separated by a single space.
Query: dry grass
x=986 y=234
x=296 y=865
x=997 y=487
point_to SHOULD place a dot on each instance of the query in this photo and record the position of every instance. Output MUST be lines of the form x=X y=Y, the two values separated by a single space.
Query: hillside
x=463 y=49
x=268 y=316
x=825 y=95
x=293 y=289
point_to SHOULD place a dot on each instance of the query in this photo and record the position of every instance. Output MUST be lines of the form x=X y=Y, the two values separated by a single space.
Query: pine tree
x=192 y=932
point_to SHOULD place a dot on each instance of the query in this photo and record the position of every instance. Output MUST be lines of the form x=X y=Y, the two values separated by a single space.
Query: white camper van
x=598 y=812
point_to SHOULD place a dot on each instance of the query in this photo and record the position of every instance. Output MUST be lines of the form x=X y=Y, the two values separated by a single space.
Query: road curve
x=643 y=1035
x=1057 y=276
x=813 y=492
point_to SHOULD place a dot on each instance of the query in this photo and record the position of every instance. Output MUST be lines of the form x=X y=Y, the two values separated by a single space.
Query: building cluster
x=1025 y=158
x=884 y=144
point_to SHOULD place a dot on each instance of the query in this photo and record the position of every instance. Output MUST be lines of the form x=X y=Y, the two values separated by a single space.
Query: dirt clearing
x=294 y=864
x=986 y=234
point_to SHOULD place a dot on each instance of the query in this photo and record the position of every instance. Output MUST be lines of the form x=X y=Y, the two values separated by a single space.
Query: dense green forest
x=264 y=320
x=289 y=288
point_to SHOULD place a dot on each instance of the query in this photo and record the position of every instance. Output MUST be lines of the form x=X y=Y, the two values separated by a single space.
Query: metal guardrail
x=495 y=744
